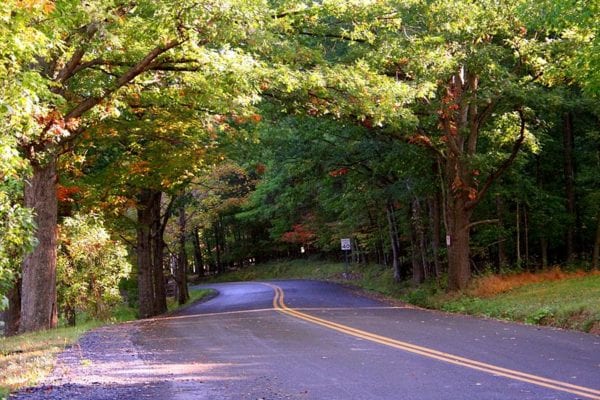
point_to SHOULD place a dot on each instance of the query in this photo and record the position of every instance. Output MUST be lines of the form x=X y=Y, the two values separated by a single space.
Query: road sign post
x=346 y=248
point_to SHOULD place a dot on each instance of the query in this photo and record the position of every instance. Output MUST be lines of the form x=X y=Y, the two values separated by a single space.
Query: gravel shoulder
x=104 y=364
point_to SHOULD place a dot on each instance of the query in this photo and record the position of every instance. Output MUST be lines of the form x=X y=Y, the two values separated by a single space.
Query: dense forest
x=147 y=140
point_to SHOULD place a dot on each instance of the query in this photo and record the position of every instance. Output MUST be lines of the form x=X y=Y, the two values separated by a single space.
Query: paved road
x=313 y=340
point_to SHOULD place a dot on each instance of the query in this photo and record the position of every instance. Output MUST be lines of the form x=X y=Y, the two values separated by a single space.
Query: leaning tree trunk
x=38 y=295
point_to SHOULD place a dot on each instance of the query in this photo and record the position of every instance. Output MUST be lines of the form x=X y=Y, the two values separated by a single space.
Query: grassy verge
x=572 y=303
x=554 y=298
x=26 y=359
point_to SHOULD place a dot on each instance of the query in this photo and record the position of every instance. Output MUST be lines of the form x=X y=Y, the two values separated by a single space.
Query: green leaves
x=90 y=266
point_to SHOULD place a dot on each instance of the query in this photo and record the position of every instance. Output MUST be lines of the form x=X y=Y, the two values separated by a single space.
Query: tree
x=21 y=93
x=98 y=49
x=452 y=77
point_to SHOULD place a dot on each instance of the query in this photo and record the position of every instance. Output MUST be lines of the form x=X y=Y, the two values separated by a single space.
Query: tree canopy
x=441 y=136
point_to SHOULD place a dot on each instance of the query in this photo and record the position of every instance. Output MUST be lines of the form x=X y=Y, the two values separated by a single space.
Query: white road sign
x=346 y=244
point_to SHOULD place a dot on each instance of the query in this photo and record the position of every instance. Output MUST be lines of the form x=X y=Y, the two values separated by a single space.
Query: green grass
x=195 y=294
x=572 y=303
x=26 y=359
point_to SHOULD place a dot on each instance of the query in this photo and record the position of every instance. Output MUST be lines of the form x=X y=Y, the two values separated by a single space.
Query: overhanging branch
x=503 y=167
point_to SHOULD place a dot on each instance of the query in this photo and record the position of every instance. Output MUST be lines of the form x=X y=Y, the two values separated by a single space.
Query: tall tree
x=100 y=47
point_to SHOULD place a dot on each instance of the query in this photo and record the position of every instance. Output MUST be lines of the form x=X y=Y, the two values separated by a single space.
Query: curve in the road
x=279 y=304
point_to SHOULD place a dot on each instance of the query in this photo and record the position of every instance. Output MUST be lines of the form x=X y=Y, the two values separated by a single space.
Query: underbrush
x=26 y=359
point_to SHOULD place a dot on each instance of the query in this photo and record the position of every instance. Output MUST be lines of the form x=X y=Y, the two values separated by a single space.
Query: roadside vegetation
x=552 y=297
x=26 y=359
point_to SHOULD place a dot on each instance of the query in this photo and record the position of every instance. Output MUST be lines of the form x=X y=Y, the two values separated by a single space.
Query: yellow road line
x=279 y=304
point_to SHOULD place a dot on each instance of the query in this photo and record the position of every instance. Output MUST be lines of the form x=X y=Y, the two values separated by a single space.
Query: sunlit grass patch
x=195 y=294
x=571 y=302
x=26 y=359
x=491 y=285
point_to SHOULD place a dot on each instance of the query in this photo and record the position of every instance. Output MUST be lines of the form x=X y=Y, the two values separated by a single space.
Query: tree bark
x=544 y=251
x=502 y=258
x=526 y=236
x=144 y=253
x=198 y=259
x=518 y=228
x=182 y=287
x=435 y=216
x=569 y=171
x=596 y=251
x=38 y=291
x=158 y=255
x=394 y=241
x=459 y=268
x=419 y=266
x=151 y=285
x=13 y=315
x=219 y=267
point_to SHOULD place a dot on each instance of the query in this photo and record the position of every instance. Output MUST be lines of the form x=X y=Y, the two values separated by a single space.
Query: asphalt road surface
x=314 y=340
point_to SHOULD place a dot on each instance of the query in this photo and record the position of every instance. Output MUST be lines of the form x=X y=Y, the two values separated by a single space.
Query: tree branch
x=503 y=167
x=332 y=36
x=485 y=221
x=124 y=79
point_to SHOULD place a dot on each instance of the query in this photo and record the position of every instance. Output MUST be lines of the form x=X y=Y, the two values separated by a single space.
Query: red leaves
x=420 y=139
x=260 y=168
x=64 y=194
x=56 y=125
x=472 y=195
x=300 y=234
x=339 y=172
x=459 y=185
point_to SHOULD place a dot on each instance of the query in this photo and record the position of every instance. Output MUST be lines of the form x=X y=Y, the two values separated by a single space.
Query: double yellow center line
x=279 y=304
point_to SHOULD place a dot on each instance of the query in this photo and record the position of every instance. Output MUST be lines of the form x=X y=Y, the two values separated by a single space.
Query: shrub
x=89 y=268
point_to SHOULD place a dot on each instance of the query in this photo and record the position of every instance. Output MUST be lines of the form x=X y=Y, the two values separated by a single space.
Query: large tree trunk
x=151 y=285
x=38 y=295
x=158 y=255
x=459 y=268
x=146 y=200
x=13 y=315
x=569 y=168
